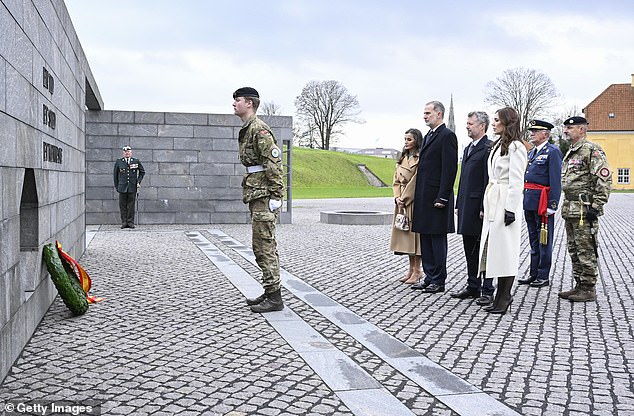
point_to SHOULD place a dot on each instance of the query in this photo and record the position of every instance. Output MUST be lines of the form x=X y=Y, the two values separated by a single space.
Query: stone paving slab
x=174 y=336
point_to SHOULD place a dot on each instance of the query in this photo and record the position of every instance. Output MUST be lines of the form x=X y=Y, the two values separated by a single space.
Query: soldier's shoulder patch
x=275 y=152
x=605 y=172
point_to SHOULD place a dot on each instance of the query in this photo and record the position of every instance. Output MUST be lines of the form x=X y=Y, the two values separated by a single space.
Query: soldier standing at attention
x=262 y=189
x=128 y=174
x=542 y=189
x=586 y=180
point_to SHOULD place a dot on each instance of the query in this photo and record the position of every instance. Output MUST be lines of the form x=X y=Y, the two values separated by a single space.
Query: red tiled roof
x=617 y=99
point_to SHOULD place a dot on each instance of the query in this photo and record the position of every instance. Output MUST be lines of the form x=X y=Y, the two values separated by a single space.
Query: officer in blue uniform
x=542 y=189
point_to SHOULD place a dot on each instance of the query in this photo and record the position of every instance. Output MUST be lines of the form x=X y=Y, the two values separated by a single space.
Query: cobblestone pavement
x=174 y=336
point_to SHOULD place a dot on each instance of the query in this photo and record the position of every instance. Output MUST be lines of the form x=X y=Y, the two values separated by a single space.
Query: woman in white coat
x=404 y=184
x=501 y=233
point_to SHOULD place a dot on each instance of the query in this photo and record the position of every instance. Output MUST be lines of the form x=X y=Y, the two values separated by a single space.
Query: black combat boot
x=505 y=284
x=255 y=301
x=273 y=302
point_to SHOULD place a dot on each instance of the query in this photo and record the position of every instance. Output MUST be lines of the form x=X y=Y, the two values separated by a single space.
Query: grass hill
x=329 y=174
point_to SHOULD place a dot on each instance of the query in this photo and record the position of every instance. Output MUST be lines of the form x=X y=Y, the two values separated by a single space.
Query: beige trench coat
x=500 y=247
x=403 y=185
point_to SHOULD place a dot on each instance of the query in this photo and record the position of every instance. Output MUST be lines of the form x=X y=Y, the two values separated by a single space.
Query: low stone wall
x=193 y=174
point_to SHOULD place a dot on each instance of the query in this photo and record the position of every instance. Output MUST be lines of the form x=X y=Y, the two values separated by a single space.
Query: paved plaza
x=174 y=336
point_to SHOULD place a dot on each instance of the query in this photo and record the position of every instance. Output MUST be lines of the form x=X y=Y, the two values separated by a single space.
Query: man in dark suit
x=542 y=189
x=433 y=198
x=128 y=174
x=469 y=206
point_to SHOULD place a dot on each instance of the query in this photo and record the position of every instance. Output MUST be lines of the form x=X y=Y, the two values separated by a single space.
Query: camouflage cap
x=246 y=92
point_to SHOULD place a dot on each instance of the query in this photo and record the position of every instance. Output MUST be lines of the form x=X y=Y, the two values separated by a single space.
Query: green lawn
x=327 y=174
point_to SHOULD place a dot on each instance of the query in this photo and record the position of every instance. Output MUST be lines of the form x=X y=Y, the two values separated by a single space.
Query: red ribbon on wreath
x=80 y=273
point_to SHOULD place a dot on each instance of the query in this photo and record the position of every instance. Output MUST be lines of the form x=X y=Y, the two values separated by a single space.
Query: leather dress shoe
x=421 y=285
x=465 y=293
x=434 y=288
x=540 y=283
x=526 y=281
x=484 y=300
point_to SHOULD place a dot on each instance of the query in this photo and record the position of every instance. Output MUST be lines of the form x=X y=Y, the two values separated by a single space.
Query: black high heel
x=500 y=311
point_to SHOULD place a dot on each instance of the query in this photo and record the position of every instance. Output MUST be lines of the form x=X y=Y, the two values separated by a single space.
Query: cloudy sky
x=190 y=55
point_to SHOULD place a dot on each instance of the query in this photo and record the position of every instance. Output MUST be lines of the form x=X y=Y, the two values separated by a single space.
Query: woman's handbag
x=401 y=222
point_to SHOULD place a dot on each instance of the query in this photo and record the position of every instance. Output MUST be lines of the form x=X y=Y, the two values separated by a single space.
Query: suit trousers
x=126 y=207
x=433 y=249
x=541 y=255
x=471 y=244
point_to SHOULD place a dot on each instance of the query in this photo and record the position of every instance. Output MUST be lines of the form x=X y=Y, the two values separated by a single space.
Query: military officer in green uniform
x=586 y=180
x=128 y=174
x=263 y=188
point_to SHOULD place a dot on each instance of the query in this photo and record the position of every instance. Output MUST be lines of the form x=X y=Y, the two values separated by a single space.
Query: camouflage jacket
x=257 y=146
x=585 y=171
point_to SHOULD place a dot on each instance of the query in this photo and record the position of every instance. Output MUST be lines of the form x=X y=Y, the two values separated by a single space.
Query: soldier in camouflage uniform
x=263 y=188
x=586 y=180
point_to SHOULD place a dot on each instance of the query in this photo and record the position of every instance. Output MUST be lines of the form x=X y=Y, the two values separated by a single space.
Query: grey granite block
x=186 y=118
x=171 y=181
x=121 y=116
x=102 y=129
x=141 y=117
x=171 y=130
x=168 y=168
x=139 y=143
x=99 y=116
x=214 y=132
x=175 y=156
x=138 y=129
x=193 y=144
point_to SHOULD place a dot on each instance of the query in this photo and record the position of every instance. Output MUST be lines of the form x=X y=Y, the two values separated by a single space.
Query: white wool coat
x=500 y=255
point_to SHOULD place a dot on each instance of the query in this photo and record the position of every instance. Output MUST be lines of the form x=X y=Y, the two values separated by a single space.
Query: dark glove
x=509 y=217
x=592 y=214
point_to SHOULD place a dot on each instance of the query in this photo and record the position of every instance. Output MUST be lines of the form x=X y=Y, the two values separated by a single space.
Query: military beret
x=246 y=92
x=126 y=148
x=540 y=125
x=574 y=120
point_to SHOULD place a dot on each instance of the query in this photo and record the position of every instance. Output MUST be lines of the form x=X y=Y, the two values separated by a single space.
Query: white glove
x=550 y=211
x=274 y=204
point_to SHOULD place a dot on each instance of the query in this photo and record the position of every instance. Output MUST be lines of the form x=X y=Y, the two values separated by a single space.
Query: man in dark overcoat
x=434 y=197
x=128 y=174
x=470 y=206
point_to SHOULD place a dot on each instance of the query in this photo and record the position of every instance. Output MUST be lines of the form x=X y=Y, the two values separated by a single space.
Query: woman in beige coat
x=501 y=228
x=407 y=242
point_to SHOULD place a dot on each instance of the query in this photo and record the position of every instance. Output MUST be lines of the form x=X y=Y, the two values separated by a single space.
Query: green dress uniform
x=262 y=182
x=127 y=177
x=586 y=181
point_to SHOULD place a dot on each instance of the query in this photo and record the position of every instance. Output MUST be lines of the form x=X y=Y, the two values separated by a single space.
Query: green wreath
x=65 y=281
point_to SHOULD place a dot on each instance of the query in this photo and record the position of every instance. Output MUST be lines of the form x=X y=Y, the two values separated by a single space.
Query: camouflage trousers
x=581 y=249
x=264 y=244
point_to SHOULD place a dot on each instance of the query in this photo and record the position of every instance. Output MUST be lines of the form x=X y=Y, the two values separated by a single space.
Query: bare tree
x=269 y=108
x=326 y=106
x=528 y=91
x=305 y=135
x=557 y=133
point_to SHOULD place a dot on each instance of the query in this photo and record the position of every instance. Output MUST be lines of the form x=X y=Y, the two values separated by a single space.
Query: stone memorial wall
x=45 y=86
